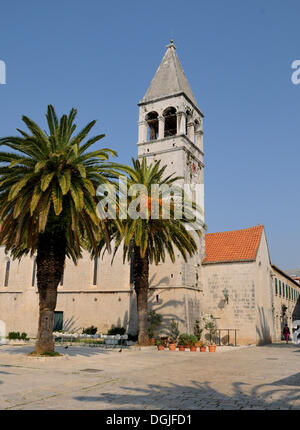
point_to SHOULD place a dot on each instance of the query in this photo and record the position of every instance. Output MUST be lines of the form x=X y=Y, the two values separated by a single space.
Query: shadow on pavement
x=200 y=396
x=71 y=351
x=282 y=345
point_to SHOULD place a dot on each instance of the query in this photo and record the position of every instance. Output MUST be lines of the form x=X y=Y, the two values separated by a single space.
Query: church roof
x=169 y=78
x=232 y=246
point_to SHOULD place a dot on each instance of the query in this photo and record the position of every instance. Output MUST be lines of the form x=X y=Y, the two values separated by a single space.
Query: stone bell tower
x=170 y=130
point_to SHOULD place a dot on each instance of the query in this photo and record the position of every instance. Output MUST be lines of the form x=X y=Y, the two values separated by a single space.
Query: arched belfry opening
x=170 y=121
x=152 y=122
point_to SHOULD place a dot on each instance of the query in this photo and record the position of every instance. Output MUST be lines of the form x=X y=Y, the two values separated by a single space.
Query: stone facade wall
x=110 y=302
x=181 y=304
x=249 y=308
x=279 y=300
x=264 y=295
x=105 y=304
x=240 y=311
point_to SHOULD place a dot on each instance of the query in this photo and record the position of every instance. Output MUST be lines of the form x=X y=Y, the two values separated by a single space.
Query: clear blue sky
x=100 y=56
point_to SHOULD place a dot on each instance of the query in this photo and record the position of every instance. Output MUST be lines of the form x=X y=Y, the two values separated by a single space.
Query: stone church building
x=231 y=275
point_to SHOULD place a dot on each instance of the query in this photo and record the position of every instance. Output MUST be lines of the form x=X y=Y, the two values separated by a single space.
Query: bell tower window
x=170 y=122
x=152 y=122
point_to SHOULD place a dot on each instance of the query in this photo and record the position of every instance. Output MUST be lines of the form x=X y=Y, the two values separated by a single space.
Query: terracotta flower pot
x=152 y=340
x=202 y=348
x=212 y=348
x=160 y=347
x=172 y=346
x=193 y=348
x=181 y=348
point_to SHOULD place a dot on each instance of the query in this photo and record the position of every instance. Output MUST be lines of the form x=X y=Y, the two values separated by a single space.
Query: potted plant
x=211 y=327
x=151 y=335
x=198 y=332
x=172 y=346
x=183 y=341
x=155 y=321
x=202 y=347
x=160 y=345
x=192 y=342
x=174 y=333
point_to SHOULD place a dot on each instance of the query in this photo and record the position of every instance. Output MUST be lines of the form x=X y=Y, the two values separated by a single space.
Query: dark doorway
x=58 y=320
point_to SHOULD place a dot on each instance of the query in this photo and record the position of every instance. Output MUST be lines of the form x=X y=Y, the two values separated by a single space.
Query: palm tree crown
x=148 y=239
x=50 y=177
x=157 y=236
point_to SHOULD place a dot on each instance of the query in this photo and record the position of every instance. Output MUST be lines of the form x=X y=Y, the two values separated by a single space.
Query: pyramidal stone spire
x=169 y=78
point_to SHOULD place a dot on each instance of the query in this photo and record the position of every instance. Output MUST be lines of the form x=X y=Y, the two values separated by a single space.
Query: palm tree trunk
x=141 y=285
x=50 y=265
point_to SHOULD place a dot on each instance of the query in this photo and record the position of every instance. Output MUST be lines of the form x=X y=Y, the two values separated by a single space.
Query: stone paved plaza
x=264 y=377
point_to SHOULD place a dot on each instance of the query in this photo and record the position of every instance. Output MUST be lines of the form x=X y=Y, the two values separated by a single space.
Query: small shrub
x=187 y=339
x=90 y=330
x=12 y=335
x=198 y=330
x=183 y=339
x=155 y=321
x=174 y=332
x=211 y=327
x=15 y=335
x=116 y=330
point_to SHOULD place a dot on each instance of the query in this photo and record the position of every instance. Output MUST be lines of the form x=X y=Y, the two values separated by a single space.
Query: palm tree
x=147 y=239
x=48 y=202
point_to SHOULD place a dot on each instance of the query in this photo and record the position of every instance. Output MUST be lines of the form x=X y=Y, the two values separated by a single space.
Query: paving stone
x=144 y=379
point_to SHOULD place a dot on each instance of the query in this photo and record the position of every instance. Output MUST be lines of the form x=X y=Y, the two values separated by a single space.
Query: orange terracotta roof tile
x=237 y=245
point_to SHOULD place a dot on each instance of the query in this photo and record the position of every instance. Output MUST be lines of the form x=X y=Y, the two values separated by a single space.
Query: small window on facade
x=33 y=273
x=95 y=271
x=276 y=290
x=280 y=288
x=7 y=267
